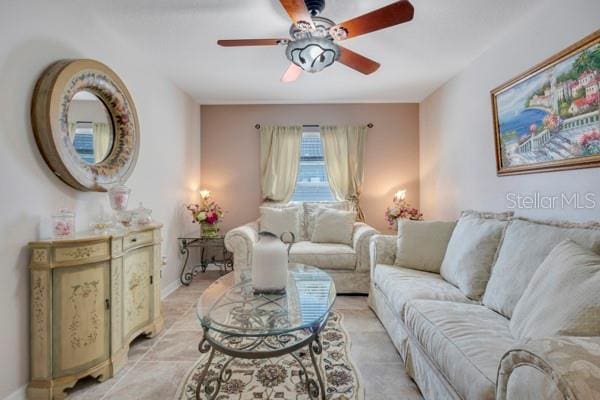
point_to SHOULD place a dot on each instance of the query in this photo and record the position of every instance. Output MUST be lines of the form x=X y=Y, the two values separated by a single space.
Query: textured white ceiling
x=180 y=37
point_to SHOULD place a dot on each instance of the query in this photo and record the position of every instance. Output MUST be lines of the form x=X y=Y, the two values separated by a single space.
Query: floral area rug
x=279 y=378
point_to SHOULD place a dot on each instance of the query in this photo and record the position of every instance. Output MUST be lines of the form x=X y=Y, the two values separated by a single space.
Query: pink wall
x=230 y=152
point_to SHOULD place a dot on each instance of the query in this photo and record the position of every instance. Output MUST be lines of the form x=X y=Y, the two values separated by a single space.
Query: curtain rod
x=369 y=125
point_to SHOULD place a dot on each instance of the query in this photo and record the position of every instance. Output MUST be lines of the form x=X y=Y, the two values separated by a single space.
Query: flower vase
x=209 y=230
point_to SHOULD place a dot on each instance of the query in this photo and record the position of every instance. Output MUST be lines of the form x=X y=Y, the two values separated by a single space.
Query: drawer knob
x=133 y=240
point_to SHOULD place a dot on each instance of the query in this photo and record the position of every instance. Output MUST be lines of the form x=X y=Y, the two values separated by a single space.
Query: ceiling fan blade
x=251 y=42
x=291 y=74
x=394 y=14
x=357 y=62
x=298 y=12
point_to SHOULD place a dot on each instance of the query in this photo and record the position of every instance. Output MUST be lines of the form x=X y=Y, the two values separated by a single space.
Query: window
x=312 y=184
x=83 y=141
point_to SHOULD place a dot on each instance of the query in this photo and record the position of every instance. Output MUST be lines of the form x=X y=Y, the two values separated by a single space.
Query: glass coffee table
x=241 y=324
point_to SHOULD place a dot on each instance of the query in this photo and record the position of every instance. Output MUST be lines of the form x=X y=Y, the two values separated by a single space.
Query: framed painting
x=547 y=118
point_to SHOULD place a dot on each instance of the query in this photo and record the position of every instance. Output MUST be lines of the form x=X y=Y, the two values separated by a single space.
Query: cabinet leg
x=103 y=374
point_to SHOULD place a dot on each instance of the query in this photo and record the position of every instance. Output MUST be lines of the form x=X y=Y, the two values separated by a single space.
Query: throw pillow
x=279 y=220
x=333 y=226
x=524 y=247
x=563 y=296
x=422 y=244
x=271 y=204
x=311 y=209
x=471 y=253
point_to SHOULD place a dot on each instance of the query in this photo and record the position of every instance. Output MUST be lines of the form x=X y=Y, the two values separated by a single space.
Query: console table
x=90 y=297
x=205 y=244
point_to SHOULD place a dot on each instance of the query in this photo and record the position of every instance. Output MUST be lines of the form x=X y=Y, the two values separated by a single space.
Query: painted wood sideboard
x=90 y=297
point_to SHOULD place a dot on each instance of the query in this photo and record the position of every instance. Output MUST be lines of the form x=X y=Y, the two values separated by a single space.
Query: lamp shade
x=400 y=195
x=312 y=54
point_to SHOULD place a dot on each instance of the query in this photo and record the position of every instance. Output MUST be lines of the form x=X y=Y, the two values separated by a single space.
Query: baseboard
x=19 y=394
x=167 y=290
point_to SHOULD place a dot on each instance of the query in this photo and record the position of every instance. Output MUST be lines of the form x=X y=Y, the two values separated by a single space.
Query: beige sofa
x=457 y=347
x=348 y=265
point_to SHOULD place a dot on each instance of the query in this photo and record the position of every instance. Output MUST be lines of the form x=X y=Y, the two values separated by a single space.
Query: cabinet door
x=80 y=317
x=137 y=290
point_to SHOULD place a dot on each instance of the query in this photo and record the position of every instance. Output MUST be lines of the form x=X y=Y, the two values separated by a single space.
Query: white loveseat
x=348 y=265
x=456 y=347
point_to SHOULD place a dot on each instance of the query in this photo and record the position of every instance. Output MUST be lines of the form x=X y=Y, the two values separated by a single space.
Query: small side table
x=186 y=242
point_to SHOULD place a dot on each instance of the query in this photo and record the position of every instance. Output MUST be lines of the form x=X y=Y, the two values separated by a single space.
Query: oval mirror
x=90 y=127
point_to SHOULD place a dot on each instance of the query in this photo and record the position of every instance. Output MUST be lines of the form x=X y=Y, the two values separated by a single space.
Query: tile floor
x=156 y=366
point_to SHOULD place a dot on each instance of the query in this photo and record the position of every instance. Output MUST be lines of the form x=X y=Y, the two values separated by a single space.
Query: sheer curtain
x=344 y=148
x=72 y=128
x=279 y=161
x=102 y=140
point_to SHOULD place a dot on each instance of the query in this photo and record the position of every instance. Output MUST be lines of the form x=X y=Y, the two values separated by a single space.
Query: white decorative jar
x=270 y=263
x=63 y=224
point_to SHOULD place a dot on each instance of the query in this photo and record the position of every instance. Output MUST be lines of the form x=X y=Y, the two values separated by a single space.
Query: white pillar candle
x=269 y=265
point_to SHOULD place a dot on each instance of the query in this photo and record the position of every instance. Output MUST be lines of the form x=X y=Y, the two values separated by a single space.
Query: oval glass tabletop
x=232 y=308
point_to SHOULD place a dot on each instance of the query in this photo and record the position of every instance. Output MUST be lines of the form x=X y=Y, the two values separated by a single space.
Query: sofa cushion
x=525 y=246
x=333 y=226
x=563 y=297
x=310 y=213
x=301 y=234
x=501 y=216
x=464 y=341
x=471 y=253
x=400 y=285
x=324 y=255
x=278 y=220
x=422 y=244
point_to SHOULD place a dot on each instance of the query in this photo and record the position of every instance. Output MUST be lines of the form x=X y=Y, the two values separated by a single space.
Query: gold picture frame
x=547 y=118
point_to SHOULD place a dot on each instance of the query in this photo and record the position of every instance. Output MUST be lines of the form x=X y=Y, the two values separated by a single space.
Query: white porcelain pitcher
x=270 y=259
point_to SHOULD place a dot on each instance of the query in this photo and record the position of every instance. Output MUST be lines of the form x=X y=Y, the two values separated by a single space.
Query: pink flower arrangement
x=207 y=212
x=401 y=210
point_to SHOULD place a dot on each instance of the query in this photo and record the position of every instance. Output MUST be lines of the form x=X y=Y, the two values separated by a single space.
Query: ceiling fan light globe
x=338 y=33
x=313 y=54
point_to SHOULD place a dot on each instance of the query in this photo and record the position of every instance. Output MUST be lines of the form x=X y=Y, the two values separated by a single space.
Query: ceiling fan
x=313 y=46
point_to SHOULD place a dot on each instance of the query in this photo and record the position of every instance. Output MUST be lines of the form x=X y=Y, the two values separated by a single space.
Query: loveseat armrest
x=382 y=250
x=240 y=241
x=557 y=368
x=360 y=242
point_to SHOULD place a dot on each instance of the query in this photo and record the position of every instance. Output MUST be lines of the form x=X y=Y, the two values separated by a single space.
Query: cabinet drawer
x=81 y=253
x=137 y=239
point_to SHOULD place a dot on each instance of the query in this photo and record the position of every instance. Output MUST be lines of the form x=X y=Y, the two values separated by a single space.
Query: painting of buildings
x=549 y=117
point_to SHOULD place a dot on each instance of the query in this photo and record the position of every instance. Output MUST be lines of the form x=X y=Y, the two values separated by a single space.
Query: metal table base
x=188 y=273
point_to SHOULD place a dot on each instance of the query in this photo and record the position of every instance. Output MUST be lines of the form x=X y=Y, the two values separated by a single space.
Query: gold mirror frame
x=52 y=95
